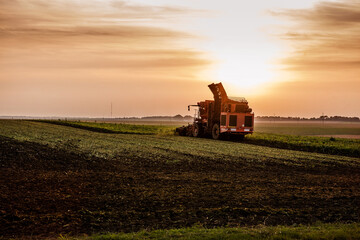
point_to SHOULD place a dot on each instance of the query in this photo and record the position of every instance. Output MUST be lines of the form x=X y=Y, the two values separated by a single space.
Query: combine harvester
x=223 y=116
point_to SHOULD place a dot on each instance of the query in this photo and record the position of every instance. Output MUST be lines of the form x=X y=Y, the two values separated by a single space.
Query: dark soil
x=46 y=191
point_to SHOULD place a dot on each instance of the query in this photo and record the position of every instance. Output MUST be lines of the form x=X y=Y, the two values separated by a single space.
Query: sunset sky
x=154 y=57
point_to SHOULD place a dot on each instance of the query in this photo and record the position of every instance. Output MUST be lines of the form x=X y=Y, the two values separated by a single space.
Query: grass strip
x=312 y=232
x=334 y=146
x=120 y=128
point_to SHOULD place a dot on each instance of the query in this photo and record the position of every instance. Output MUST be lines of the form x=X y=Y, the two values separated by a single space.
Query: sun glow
x=152 y=57
x=248 y=75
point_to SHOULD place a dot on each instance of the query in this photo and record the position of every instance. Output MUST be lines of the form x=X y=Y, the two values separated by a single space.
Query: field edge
x=315 y=231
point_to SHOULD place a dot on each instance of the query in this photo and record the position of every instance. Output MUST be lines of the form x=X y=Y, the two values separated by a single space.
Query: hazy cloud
x=73 y=57
x=95 y=34
x=328 y=36
x=322 y=68
x=328 y=14
x=142 y=11
x=66 y=18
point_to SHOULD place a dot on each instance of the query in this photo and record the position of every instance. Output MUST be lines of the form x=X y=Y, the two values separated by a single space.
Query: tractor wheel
x=182 y=132
x=216 y=131
x=197 y=130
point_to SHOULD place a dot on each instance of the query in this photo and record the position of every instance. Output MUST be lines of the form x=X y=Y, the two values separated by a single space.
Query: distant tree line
x=321 y=118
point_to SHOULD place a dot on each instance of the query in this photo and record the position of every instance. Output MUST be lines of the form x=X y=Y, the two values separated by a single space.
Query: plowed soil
x=46 y=191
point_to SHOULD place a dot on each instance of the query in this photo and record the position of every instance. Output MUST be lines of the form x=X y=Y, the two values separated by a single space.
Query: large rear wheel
x=216 y=131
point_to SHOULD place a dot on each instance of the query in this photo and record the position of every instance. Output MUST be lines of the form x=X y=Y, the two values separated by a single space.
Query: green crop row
x=315 y=232
x=159 y=147
x=335 y=146
x=308 y=129
x=326 y=145
x=114 y=127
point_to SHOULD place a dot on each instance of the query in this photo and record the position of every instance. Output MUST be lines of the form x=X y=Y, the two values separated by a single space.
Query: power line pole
x=111 y=110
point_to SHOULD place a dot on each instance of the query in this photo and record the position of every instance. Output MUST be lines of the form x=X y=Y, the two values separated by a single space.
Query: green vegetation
x=315 y=232
x=122 y=128
x=328 y=145
x=302 y=136
x=170 y=147
x=308 y=128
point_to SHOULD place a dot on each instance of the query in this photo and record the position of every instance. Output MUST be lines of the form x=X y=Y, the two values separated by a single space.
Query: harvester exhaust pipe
x=192 y=106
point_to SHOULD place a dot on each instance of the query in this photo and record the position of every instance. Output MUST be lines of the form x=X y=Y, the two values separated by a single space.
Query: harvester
x=223 y=116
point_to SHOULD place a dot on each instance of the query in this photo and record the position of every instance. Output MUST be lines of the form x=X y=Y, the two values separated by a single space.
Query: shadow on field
x=46 y=191
x=90 y=128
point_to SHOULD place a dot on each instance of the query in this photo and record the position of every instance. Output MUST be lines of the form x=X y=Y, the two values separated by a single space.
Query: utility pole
x=274 y=118
x=111 y=110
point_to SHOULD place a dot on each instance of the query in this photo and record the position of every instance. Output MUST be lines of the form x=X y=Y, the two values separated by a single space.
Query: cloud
x=322 y=68
x=95 y=34
x=327 y=36
x=156 y=60
x=70 y=57
x=65 y=18
x=116 y=33
x=328 y=14
x=146 y=12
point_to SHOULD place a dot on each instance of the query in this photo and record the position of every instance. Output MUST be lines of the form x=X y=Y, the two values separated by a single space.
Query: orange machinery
x=219 y=117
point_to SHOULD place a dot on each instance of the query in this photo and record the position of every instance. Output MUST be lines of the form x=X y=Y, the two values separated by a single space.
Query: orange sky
x=154 y=57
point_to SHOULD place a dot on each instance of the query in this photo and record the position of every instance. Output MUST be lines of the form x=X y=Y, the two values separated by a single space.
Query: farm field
x=60 y=179
x=301 y=128
x=329 y=145
x=144 y=129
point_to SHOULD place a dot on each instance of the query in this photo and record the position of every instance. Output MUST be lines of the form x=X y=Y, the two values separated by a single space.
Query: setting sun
x=247 y=75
